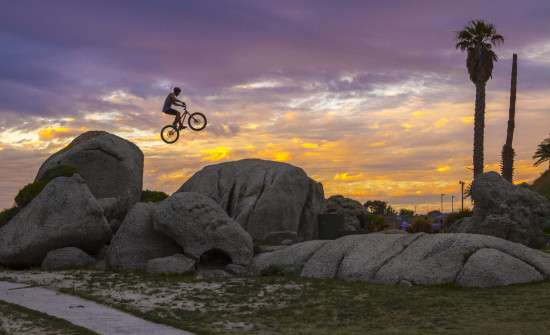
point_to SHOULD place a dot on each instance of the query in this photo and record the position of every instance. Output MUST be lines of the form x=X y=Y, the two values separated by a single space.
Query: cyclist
x=172 y=99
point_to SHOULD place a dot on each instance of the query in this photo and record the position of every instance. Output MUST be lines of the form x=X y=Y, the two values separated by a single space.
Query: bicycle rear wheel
x=169 y=134
x=197 y=121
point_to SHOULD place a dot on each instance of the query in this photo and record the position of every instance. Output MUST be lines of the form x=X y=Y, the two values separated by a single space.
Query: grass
x=15 y=319
x=295 y=305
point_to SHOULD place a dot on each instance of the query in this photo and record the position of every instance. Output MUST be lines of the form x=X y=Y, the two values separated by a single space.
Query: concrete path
x=98 y=318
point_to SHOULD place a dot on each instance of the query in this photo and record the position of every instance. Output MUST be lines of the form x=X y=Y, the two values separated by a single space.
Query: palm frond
x=543 y=152
x=478 y=39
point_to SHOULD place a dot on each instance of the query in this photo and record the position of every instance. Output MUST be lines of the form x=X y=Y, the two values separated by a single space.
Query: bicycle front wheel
x=197 y=121
x=169 y=134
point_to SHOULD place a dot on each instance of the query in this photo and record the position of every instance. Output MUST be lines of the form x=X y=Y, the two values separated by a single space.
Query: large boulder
x=502 y=209
x=136 y=242
x=462 y=259
x=263 y=196
x=477 y=273
x=65 y=258
x=355 y=214
x=112 y=167
x=199 y=226
x=64 y=214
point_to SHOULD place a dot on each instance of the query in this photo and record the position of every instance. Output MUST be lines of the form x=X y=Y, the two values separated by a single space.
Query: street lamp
x=452 y=203
x=462 y=184
x=442 y=202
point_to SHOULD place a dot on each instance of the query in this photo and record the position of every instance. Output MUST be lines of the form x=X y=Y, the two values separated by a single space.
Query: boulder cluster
x=78 y=221
x=470 y=260
x=508 y=211
x=214 y=220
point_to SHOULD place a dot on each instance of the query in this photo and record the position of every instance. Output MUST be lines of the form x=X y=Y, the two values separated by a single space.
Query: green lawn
x=294 y=305
x=15 y=319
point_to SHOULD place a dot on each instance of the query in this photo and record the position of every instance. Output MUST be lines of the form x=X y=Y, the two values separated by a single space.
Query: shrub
x=60 y=171
x=7 y=214
x=455 y=216
x=152 y=196
x=28 y=192
x=420 y=226
x=375 y=223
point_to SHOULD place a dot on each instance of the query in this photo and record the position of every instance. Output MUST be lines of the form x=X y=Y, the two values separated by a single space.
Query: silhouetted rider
x=172 y=100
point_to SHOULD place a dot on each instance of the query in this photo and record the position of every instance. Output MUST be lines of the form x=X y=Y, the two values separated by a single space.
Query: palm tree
x=543 y=152
x=478 y=38
x=508 y=152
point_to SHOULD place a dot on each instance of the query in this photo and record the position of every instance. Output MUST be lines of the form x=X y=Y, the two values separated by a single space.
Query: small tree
x=406 y=212
x=543 y=152
x=377 y=206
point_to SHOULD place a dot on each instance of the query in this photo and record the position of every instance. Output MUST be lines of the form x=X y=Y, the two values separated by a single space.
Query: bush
x=7 y=214
x=375 y=223
x=455 y=216
x=60 y=171
x=420 y=226
x=152 y=196
x=28 y=192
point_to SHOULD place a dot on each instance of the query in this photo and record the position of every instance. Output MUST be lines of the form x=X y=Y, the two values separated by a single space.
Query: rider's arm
x=181 y=102
x=174 y=100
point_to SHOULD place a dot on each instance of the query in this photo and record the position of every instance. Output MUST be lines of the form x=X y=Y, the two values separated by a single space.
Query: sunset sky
x=370 y=98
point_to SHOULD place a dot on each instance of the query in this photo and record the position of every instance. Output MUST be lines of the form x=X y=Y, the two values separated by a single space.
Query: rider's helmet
x=177 y=90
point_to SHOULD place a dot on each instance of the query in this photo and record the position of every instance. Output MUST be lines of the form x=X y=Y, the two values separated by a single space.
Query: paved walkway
x=98 y=318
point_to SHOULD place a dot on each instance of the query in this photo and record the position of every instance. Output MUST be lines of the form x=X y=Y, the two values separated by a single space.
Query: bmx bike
x=171 y=132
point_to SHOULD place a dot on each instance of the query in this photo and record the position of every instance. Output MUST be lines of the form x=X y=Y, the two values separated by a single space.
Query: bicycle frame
x=184 y=115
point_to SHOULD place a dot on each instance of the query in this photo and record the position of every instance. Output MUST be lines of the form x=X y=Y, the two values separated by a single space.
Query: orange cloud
x=281 y=156
x=378 y=144
x=346 y=177
x=47 y=134
x=441 y=122
x=216 y=154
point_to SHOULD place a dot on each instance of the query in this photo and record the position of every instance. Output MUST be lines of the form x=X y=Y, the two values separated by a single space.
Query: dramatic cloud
x=369 y=98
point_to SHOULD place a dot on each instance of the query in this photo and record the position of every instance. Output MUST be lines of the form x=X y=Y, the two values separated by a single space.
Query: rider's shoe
x=182 y=127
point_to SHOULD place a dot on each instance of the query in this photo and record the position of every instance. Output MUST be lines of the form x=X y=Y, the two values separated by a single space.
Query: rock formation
x=175 y=264
x=136 y=241
x=64 y=214
x=463 y=259
x=263 y=196
x=354 y=212
x=64 y=258
x=199 y=225
x=501 y=209
x=112 y=167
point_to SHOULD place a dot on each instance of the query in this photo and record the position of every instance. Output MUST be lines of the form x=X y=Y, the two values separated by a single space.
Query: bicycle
x=171 y=132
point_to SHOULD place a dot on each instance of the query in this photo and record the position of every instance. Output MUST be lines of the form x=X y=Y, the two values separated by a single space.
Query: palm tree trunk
x=479 y=128
x=507 y=151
